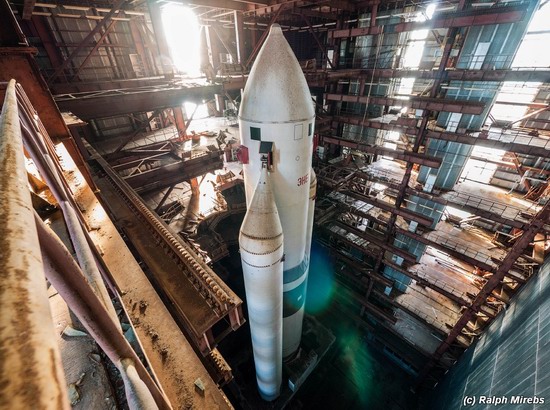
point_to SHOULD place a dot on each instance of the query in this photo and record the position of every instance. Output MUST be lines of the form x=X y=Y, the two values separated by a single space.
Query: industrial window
x=256 y=133
x=309 y=129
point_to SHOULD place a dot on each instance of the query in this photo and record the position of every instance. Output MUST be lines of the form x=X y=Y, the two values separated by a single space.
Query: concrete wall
x=511 y=359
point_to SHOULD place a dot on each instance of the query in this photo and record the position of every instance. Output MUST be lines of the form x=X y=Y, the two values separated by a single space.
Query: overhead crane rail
x=218 y=297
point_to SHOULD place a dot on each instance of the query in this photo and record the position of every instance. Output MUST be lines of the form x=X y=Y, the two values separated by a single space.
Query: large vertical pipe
x=277 y=109
x=31 y=375
x=261 y=246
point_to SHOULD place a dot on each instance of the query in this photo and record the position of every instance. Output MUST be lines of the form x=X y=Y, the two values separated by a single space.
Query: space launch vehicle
x=276 y=120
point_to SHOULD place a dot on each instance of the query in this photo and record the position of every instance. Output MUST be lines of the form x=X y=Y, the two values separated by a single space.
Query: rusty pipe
x=50 y=171
x=67 y=278
x=31 y=375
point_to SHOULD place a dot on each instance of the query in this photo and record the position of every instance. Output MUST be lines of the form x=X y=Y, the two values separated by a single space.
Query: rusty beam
x=140 y=129
x=450 y=251
x=471 y=139
x=409 y=257
x=28 y=6
x=166 y=175
x=425 y=282
x=468 y=208
x=65 y=275
x=505 y=265
x=358 y=266
x=316 y=38
x=86 y=41
x=94 y=49
x=120 y=102
x=523 y=75
x=419 y=103
x=457 y=19
x=404 y=213
x=410 y=156
x=520 y=171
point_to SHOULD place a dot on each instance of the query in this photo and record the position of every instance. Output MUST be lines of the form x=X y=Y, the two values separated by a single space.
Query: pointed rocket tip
x=275 y=29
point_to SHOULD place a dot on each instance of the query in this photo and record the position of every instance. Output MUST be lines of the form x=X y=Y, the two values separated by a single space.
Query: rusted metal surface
x=172 y=171
x=126 y=101
x=95 y=48
x=31 y=374
x=472 y=17
x=67 y=278
x=409 y=257
x=410 y=156
x=45 y=158
x=492 y=283
x=518 y=74
x=420 y=103
x=86 y=41
x=200 y=298
x=24 y=69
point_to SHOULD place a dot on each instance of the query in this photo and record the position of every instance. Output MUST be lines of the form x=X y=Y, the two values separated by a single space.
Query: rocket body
x=277 y=108
x=261 y=246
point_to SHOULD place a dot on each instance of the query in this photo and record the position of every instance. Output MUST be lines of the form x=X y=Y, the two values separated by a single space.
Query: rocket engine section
x=276 y=121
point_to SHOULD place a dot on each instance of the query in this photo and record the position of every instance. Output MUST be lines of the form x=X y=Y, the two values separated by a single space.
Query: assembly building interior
x=128 y=139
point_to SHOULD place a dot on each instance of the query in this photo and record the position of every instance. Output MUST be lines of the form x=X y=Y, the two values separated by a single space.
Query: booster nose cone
x=276 y=90
x=261 y=231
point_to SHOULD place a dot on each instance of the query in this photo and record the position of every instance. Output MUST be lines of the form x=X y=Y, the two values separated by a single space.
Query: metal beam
x=468 y=208
x=239 y=36
x=86 y=41
x=167 y=175
x=410 y=156
x=316 y=38
x=471 y=139
x=378 y=242
x=404 y=213
x=420 y=103
x=504 y=266
x=450 y=251
x=28 y=6
x=520 y=74
x=140 y=129
x=121 y=102
x=425 y=282
x=224 y=4
x=468 y=18
x=94 y=49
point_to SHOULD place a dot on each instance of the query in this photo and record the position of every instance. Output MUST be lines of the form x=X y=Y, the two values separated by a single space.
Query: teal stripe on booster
x=296 y=272
x=294 y=299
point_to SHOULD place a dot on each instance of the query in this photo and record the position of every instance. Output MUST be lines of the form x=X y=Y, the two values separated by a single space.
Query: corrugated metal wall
x=511 y=358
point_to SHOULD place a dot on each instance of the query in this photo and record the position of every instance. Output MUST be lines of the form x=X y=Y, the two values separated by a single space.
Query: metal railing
x=32 y=253
x=461 y=247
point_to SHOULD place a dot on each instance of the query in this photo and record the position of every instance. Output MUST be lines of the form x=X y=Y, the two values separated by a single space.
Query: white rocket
x=261 y=245
x=276 y=121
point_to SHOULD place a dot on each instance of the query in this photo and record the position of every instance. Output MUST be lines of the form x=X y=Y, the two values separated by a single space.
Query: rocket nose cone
x=276 y=89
